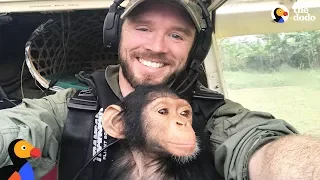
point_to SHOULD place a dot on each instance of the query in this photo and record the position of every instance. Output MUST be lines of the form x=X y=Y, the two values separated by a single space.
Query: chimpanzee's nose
x=181 y=122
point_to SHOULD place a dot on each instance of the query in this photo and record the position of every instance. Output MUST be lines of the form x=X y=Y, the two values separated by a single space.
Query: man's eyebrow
x=137 y=20
x=184 y=30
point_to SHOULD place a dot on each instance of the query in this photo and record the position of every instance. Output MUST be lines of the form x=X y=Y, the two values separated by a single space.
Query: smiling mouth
x=150 y=63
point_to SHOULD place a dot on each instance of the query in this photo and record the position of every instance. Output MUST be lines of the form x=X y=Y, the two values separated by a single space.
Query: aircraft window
x=276 y=73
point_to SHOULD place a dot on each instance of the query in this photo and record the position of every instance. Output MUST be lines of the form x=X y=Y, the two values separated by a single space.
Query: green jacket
x=236 y=131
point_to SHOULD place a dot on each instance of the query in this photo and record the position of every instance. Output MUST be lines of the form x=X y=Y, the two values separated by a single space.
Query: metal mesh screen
x=67 y=44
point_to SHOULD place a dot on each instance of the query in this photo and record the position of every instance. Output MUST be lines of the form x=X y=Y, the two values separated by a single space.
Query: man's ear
x=112 y=123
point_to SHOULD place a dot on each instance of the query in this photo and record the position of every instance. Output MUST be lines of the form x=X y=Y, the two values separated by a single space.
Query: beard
x=148 y=80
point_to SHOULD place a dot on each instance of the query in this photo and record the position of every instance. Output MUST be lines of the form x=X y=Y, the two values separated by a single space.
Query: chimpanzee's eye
x=163 y=111
x=185 y=113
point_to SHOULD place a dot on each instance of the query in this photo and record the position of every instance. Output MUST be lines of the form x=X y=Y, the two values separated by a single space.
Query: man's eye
x=163 y=111
x=142 y=29
x=176 y=36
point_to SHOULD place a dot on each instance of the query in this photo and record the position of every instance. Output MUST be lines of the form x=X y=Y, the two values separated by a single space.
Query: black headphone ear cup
x=202 y=42
x=200 y=49
x=111 y=30
x=119 y=27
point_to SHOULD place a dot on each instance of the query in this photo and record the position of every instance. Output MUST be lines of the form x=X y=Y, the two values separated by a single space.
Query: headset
x=200 y=49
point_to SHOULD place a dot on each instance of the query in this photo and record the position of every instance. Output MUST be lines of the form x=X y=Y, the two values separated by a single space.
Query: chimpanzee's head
x=154 y=120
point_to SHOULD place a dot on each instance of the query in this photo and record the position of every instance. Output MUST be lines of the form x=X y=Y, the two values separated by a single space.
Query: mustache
x=151 y=55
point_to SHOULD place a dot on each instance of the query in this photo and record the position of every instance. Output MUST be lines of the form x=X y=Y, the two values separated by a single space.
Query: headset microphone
x=199 y=53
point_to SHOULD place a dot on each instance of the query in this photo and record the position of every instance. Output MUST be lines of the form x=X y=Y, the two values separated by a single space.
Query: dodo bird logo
x=19 y=150
x=280 y=14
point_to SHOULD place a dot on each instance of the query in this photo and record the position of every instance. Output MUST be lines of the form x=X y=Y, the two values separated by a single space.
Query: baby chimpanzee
x=159 y=139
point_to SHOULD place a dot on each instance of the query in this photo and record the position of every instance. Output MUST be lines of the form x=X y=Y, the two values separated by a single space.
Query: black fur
x=201 y=168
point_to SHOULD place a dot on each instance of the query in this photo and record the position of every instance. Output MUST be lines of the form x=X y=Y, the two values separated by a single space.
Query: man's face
x=155 y=43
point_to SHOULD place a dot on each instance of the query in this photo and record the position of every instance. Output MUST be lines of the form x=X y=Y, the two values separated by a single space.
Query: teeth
x=151 y=64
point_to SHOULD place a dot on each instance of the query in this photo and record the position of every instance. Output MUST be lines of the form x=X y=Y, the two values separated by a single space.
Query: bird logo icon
x=280 y=14
x=19 y=150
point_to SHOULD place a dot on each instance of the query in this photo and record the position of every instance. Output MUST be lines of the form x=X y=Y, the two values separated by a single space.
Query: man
x=156 y=39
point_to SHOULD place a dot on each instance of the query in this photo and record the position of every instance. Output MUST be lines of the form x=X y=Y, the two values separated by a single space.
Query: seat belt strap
x=77 y=137
x=106 y=96
x=76 y=141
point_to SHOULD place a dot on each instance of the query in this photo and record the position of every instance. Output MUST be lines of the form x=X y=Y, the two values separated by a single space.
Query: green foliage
x=267 y=53
x=276 y=73
x=285 y=77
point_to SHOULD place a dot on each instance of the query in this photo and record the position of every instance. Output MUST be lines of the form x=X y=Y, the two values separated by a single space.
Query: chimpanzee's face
x=167 y=123
x=155 y=121
x=155 y=44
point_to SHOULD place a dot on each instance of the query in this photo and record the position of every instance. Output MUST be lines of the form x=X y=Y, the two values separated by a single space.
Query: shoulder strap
x=105 y=94
x=76 y=142
x=205 y=102
x=208 y=100
x=77 y=134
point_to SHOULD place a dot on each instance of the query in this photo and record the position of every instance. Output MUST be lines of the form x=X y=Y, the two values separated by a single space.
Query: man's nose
x=158 y=44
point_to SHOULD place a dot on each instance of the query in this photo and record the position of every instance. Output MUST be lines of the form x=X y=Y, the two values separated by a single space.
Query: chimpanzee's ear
x=112 y=123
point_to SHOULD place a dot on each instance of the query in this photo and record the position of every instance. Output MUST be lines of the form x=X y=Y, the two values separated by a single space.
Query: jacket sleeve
x=237 y=132
x=39 y=121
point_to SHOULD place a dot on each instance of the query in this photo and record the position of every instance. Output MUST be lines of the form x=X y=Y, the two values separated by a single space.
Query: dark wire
x=79 y=172
x=64 y=58
x=192 y=74
x=189 y=85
